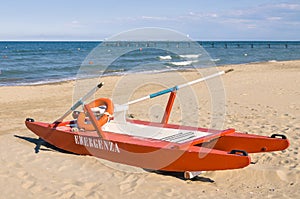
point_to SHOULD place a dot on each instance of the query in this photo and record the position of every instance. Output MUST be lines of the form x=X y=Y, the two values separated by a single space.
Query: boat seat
x=154 y=132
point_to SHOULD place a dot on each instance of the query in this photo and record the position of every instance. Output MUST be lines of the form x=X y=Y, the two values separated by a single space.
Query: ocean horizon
x=39 y=62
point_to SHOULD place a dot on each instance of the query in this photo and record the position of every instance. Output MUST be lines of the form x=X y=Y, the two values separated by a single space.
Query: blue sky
x=201 y=20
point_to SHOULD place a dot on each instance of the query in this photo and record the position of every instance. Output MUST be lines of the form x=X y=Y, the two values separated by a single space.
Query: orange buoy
x=81 y=120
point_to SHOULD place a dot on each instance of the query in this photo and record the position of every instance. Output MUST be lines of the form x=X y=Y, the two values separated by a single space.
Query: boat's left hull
x=139 y=152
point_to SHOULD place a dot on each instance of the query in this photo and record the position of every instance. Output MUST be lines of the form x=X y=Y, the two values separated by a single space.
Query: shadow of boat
x=180 y=175
x=41 y=143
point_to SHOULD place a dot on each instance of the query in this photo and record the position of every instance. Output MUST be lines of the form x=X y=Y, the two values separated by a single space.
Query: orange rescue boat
x=149 y=145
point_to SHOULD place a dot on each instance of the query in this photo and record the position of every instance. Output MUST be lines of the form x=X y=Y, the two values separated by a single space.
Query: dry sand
x=261 y=98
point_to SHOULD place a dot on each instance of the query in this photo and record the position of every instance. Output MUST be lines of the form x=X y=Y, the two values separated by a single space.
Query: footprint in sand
x=130 y=184
x=28 y=184
x=282 y=175
x=169 y=192
x=23 y=175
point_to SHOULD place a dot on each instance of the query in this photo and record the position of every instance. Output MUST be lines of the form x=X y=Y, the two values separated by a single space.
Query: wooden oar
x=124 y=107
x=80 y=102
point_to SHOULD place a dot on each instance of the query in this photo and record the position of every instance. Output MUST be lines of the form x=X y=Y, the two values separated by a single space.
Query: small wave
x=183 y=63
x=22 y=82
x=112 y=71
x=215 y=60
x=191 y=56
x=168 y=57
x=272 y=61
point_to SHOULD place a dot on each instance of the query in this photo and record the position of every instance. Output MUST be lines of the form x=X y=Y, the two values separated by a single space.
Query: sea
x=35 y=62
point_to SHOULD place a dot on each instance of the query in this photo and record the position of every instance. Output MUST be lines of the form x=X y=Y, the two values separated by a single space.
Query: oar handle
x=168 y=90
x=91 y=92
x=175 y=88
x=80 y=102
x=229 y=70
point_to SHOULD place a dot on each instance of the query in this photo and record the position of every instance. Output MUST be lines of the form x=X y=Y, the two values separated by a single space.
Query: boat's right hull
x=251 y=143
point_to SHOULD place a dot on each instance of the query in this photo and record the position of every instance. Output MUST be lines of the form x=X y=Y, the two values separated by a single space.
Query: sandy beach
x=261 y=98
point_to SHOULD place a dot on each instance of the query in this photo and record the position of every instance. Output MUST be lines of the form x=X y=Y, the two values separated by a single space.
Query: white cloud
x=263 y=16
x=273 y=18
x=288 y=6
x=251 y=26
x=154 y=18
x=75 y=22
x=260 y=21
x=203 y=15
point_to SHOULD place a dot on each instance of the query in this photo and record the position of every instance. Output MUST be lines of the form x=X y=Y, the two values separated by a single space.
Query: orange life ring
x=81 y=121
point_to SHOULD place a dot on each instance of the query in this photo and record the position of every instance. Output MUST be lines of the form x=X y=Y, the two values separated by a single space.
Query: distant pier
x=205 y=44
x=246 y=44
